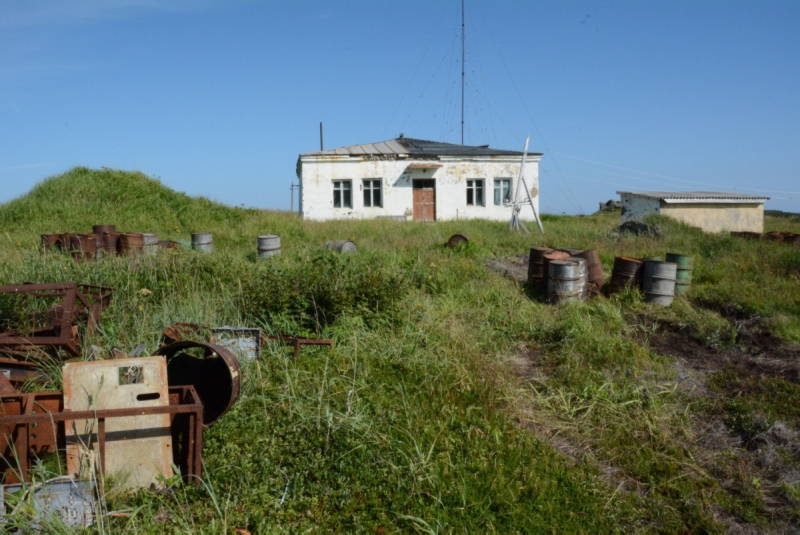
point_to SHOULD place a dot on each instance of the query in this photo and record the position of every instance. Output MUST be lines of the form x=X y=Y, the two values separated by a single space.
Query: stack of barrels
x=105 y=240
x=659 y=280
x=564 y=275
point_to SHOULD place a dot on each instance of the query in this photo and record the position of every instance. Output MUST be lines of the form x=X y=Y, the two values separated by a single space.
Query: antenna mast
x=463 y=54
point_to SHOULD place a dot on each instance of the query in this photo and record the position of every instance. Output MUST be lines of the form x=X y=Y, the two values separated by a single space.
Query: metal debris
x=33 y=425
x=56 y=327
x=242 y=341
x=63 y=498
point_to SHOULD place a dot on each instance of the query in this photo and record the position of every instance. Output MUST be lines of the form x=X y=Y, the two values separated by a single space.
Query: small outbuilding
x=709 y=210
x=414 y=179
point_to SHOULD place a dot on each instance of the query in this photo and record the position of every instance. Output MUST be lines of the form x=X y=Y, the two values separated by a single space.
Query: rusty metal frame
x=34 y=423
x=299 y=341
x=76 y=300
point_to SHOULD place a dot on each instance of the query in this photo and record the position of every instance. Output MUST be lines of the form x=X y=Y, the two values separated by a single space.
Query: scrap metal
x=32 y=425
x=70 y=501
x=77 y=301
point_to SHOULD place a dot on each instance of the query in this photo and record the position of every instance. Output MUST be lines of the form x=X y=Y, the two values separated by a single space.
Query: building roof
x=697 y=196
x=417 y=147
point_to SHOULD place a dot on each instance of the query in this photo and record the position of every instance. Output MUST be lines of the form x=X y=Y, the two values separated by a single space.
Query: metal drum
x=658 y=281
x=683 y=277
x=341 y=246
x=595 y=276
x=102 y=229
x=536 y=269
x=51 y=241
x=130 y=244
x=269 y=245
x=202 y=241
x=566 y=280
x=149 y=244
x=548 y=257
x=456 y=240
x=82 y=246
x=625 y=274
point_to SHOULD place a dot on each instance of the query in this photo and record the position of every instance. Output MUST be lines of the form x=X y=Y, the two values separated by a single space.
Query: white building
x=711 y=211
x=407 y=178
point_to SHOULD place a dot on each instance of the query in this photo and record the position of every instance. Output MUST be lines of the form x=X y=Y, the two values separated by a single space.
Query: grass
x=450 y=402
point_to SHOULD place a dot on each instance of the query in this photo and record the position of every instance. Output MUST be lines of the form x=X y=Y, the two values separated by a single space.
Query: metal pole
x=463 y=55
x=320 y=137
x=291 y=203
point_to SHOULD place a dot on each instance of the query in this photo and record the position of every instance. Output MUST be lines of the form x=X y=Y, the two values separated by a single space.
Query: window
x=342 y=193
x=502 y=191
x=475 y=192
x=373 y=196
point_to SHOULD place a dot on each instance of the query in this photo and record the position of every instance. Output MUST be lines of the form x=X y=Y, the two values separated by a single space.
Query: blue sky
x=218 y=98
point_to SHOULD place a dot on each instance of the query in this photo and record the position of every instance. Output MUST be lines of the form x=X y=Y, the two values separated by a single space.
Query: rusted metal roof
x=417 y=147
x=696 y=196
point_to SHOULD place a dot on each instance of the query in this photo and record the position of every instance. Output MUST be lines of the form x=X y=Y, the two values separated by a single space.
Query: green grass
x=420 y=418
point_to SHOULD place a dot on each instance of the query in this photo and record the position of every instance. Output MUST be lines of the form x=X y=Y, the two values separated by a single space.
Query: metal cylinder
x=202 y=241
x=130 y=244
x=457 y=239
x=594 y=268
x=658 y=281
x=82 y=246
x=683 y=277
x=51 y=241
x=536 y=270
x=211 y=369
x=149 y=244
x=269 y=245
x=625 y=274
x=341 y=246
x=566 y=280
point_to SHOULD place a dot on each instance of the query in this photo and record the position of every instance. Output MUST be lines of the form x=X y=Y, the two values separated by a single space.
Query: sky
x=218 y=98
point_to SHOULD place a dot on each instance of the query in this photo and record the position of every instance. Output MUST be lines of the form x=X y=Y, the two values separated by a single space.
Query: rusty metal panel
x=138 y=449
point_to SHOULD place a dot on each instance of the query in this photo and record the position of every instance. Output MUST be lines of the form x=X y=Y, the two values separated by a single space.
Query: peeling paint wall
x=719 y=217
x=635 y=208
x=317 y=174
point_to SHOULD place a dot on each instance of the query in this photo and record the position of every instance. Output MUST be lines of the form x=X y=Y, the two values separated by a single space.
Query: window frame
x=499 y=199
x=476 y=186
x=371 y=186
x=345 y=193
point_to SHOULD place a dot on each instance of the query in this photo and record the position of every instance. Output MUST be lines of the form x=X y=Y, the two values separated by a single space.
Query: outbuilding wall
x=719 y=217
x=317 y=174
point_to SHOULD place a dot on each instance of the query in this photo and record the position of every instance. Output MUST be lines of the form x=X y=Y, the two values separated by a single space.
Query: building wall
x=711 y=217
x=635 y=208
x=719 y=217
x=317 y=174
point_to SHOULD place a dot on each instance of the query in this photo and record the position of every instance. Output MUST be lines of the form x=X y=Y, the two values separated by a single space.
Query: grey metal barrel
x=658 y=281
x=202 y=241
x=341 y=246
x=150 y=244
x=269 y=245
x=566 y=280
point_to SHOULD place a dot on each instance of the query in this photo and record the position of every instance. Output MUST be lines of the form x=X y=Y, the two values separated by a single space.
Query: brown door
x=425 y=200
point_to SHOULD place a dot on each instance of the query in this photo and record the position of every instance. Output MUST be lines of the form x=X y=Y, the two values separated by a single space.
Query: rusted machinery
x=54 y=326
x=33 y=426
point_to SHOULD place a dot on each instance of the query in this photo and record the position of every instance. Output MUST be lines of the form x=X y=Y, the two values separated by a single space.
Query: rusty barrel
x=594 y=269
x=536 y=269
x=625 y=273
x=130 y=244
x=572 y=251
x=149 y=244
x=211 y=369
x=566 y=280
x=268 y=245
x=341 y=246
x=683 y=277
x=51 y=241
x=102 y=229
x=658 y=281
x=168 y=244
x=457 y=239
x=203 y=242
x=82 y=246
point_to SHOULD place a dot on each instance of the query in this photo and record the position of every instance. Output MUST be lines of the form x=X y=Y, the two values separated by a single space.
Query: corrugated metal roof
x=696 y=196
x=417 y=147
